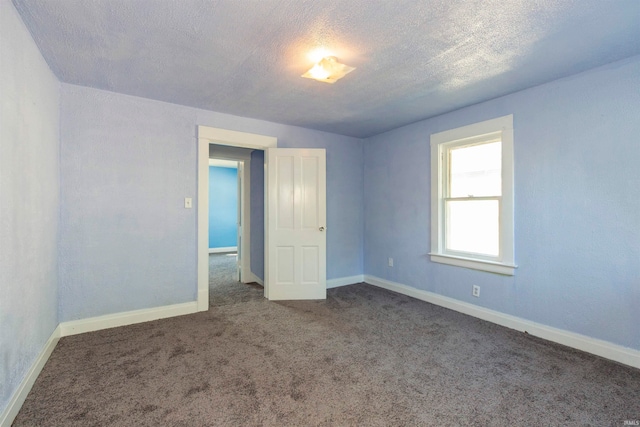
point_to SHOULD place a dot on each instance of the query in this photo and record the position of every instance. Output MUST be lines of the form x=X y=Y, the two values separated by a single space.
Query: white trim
x=471 y=131
x=441 y=143
x=254 y=278
x=17 y=399
x=344 y=281
x=223 y=163
x=75 y=327
x=618 y=353
x=206 y=136
x=91 y=324
x=226 y=152
x=475 y=264
x=203 y=225
x=223 y=250
x=236 y=139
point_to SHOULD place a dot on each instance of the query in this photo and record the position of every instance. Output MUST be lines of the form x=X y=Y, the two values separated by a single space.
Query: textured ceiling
x=415 y=58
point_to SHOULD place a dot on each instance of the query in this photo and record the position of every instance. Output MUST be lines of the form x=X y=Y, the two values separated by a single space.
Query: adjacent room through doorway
x=224 y=223
x=235 y=194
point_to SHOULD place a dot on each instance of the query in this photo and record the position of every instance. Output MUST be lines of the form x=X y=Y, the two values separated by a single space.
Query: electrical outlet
x=476 y=291
x=390 y=262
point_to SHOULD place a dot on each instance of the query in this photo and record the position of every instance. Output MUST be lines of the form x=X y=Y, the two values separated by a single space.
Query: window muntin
x=472 y=196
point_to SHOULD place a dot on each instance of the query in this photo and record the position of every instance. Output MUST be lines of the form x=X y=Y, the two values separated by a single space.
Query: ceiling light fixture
x=328 y=70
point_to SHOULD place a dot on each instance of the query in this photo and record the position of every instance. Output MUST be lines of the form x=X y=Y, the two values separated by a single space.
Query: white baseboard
x=223 y=250
x=126 y=318
x=344 y=281
x=203 y=299
x=618 y=353
x=254 y=278
x=80 y=326
x=15 y=403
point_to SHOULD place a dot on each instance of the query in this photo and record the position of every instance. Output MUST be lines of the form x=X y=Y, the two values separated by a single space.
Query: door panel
x=285 y=178
x=296 y=221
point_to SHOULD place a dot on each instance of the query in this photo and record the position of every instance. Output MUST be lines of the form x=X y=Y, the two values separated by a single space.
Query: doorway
x=224 y=205
x=222 y=143
x=238 y=190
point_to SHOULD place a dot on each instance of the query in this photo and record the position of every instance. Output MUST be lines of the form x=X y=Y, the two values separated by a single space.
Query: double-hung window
x=472 y=196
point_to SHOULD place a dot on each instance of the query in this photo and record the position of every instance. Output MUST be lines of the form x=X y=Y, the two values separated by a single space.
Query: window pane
x=476 y=170
x=473 y=226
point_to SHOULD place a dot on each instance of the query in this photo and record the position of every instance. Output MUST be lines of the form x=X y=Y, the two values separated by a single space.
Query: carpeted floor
x=364 y=357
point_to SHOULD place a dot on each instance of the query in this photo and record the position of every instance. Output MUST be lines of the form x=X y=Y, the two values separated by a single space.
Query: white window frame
x=441 y=142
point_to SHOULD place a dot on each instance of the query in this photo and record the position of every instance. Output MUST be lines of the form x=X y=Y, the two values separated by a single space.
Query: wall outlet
x=476 y=291
x=390 y=262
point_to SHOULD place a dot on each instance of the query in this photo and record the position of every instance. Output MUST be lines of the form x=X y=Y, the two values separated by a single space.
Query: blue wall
x=126 y=240
x=29 y=202
x=223 y=207
x=577 y=205
x=575 y=156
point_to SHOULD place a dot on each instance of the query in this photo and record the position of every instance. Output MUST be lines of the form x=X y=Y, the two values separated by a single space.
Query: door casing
x=206 y=136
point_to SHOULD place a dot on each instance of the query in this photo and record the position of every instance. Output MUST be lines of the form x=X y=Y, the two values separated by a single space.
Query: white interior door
x=295 y=259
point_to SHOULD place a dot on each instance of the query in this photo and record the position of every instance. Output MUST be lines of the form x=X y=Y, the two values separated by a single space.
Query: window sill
x=475 y=264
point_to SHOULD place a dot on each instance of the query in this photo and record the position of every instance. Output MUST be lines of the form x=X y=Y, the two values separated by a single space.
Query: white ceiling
x=415 y=59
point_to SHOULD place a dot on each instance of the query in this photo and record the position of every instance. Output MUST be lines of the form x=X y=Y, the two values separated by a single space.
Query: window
x=472 y=196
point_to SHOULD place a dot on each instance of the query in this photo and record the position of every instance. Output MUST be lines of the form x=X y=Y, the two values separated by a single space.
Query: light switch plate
x=188 y=203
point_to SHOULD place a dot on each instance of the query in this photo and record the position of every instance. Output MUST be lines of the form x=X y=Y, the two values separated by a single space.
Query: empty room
x=432 y=213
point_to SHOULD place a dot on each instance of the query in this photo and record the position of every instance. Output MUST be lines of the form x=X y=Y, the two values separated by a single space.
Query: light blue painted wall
x=577 y=205
x=223 y=207
x=257 y=213
x=127 y=242
x=29 y=202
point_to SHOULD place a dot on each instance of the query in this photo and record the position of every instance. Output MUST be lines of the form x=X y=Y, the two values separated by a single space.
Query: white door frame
x=206 y=136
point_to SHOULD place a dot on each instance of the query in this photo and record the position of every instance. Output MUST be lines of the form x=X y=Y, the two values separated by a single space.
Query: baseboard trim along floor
x=126 y=318
x=624 y=355
x=615 y=352
x=344 y=281
x=20 y=395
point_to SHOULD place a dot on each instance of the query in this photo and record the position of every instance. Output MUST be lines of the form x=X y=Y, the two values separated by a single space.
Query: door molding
x=206 y=136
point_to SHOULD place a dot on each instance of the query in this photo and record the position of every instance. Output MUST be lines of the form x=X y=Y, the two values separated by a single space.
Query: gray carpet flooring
x=363 y=357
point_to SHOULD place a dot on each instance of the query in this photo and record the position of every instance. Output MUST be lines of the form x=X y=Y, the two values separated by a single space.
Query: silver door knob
x=321 y=229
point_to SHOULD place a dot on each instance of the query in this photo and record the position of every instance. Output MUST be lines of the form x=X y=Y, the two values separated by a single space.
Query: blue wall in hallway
x=223 y=207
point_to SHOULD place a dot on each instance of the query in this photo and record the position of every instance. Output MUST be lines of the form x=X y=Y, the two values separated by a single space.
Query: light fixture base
x=328 y=70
